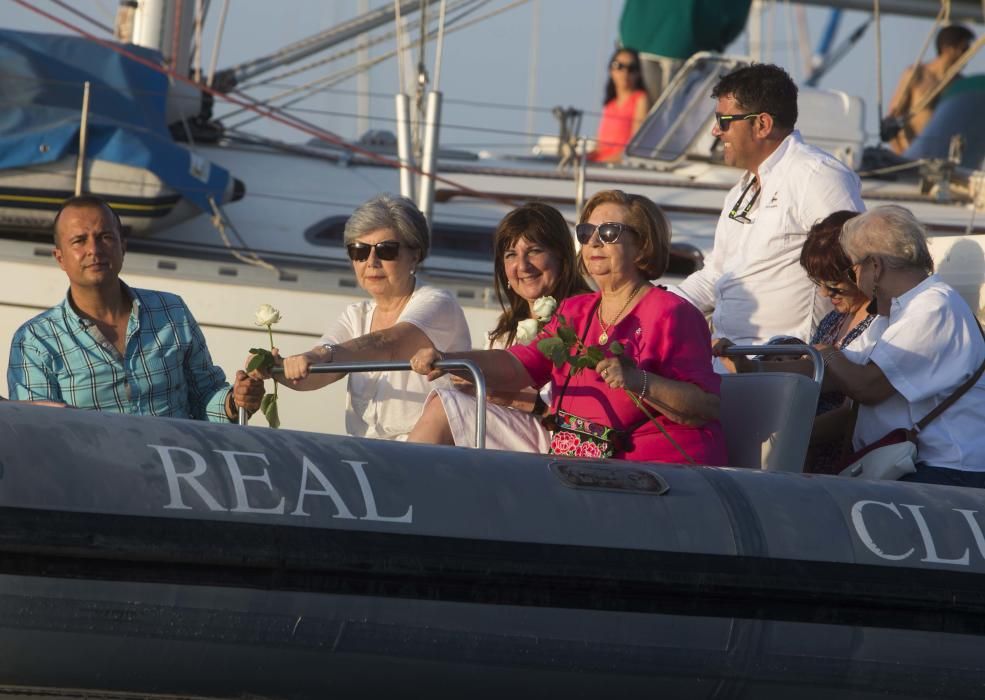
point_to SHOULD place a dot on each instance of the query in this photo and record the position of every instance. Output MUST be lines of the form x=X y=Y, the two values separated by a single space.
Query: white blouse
x=387 y=404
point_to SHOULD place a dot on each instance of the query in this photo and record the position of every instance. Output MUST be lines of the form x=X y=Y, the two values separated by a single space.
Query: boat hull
x=157 y=556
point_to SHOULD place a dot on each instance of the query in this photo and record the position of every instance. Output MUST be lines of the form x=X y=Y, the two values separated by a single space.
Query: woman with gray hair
x=926 y=344
x=386 y=239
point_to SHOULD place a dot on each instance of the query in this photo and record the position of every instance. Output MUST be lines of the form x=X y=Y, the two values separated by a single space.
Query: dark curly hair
x=544 y=225
x=762 y=87
x=822 y=255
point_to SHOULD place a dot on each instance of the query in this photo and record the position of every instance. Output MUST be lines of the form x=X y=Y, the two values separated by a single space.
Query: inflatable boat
x=158 y=557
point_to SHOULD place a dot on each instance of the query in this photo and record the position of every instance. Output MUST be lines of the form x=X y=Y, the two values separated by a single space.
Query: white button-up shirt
x=752 y=279
x=929 y=347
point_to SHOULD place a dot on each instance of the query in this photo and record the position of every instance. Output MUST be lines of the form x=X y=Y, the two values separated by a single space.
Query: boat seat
x=767 y=418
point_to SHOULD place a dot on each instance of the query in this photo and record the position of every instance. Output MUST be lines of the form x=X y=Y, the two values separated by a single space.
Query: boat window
x=447 y=238
x=682 y=114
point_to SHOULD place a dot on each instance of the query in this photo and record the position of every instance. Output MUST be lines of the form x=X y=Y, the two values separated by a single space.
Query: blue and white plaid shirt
x=165 y=371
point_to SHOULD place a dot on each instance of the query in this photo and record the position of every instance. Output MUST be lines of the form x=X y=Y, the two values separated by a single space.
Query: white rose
x=544 y=307
x=267 y=316
x=527 y=330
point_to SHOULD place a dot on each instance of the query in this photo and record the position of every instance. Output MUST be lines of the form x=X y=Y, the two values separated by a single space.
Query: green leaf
x=581 y=362
x=567 y=334
x=616 y=348
x=268 y=406
x=560 y=356
x=262 y=359
x=595 y=355
x=549 y=346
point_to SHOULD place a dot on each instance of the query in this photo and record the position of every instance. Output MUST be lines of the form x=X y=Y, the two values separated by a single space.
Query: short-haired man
x=752 y=280
x=910 y=110
x=110 y=347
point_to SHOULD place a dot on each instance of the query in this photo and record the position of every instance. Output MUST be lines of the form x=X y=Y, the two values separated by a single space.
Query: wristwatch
x=331 y=351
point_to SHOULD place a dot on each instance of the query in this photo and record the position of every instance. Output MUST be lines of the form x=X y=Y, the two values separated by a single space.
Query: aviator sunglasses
x=385 y=250
x=609 y=232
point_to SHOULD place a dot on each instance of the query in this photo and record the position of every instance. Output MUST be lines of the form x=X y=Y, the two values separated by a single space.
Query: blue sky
x=486 y=75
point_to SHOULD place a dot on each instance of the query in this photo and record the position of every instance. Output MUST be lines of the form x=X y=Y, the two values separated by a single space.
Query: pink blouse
x=662 y=334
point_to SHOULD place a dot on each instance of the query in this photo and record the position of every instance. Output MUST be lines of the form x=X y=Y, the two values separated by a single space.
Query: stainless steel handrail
x=478 y=379
x=795 y=350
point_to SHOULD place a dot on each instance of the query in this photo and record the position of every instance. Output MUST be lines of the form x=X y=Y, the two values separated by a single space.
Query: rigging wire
x=220 y=221
x=878 y=23
x=218 y=42
x=462 y=101
x=326 y=81
x=298 y=124
x=392 y=120
x=83 y=15
x=337 y=77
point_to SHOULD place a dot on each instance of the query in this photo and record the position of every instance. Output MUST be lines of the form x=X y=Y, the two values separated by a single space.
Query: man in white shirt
x=752 y=280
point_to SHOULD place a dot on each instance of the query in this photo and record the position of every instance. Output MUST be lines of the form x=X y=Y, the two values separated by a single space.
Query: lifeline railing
x=344 y=367
x=794 y=350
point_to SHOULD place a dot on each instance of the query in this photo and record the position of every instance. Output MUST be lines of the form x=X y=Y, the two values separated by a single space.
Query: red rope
x=253 y=107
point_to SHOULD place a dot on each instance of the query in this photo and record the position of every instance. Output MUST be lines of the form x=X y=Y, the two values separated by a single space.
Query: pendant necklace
x=604 y=335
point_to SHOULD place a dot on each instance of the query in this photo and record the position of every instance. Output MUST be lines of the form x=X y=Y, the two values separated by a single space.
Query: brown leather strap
x=955 y=395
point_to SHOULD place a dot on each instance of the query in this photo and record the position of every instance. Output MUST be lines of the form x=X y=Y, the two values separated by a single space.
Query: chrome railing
x=791 y=350
x=345 y=367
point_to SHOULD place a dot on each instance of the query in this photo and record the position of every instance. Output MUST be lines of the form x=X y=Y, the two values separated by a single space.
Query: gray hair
x=891 y=233
x=397 y=214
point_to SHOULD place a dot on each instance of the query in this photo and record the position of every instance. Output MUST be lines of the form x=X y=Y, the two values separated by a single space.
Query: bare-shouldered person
x=902 y=125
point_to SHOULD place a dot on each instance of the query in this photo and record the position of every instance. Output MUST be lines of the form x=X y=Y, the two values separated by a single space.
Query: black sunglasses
x=725 y=120
x=609 y=232
x=385 y=250
x=619 y=65
x=833 y=290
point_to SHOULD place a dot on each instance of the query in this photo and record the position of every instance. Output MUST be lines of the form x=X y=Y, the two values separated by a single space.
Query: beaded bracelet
x=643 y=390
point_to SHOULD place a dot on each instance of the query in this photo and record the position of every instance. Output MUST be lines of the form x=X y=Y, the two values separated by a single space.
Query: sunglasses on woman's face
x=609 y=232
x=619 y=65
x=385 y=250
x=833 y=290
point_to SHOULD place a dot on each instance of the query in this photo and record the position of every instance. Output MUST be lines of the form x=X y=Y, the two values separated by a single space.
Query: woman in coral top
x=626 y=104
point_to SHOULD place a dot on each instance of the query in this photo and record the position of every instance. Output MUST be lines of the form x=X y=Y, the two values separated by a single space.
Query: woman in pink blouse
x=667 y=346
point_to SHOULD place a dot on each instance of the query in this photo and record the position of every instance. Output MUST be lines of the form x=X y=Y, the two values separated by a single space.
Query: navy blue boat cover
x=41 y=104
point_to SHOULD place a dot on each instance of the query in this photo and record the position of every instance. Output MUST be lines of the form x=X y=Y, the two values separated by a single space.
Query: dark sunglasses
x=834 y=291
x=725 y=120
x=609 y=232
x=385 y=250
x=619 y=65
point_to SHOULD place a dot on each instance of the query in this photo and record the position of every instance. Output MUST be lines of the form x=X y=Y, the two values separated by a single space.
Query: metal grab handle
x=795 y=350
x=344 y=367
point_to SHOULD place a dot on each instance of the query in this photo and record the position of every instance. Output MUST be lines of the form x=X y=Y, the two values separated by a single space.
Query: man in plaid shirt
x=113 y=348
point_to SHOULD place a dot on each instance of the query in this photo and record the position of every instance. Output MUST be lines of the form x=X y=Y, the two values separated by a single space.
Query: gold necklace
x=604 y=335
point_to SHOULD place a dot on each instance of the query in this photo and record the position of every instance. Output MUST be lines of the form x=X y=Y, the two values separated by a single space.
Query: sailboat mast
x=167 y=27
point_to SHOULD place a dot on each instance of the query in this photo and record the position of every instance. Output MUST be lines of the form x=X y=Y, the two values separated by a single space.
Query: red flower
x=589 y=449
x=564 y=443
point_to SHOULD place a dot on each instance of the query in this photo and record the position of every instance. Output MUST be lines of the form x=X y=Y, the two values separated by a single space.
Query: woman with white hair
x=386 y=238
x=925 y=346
